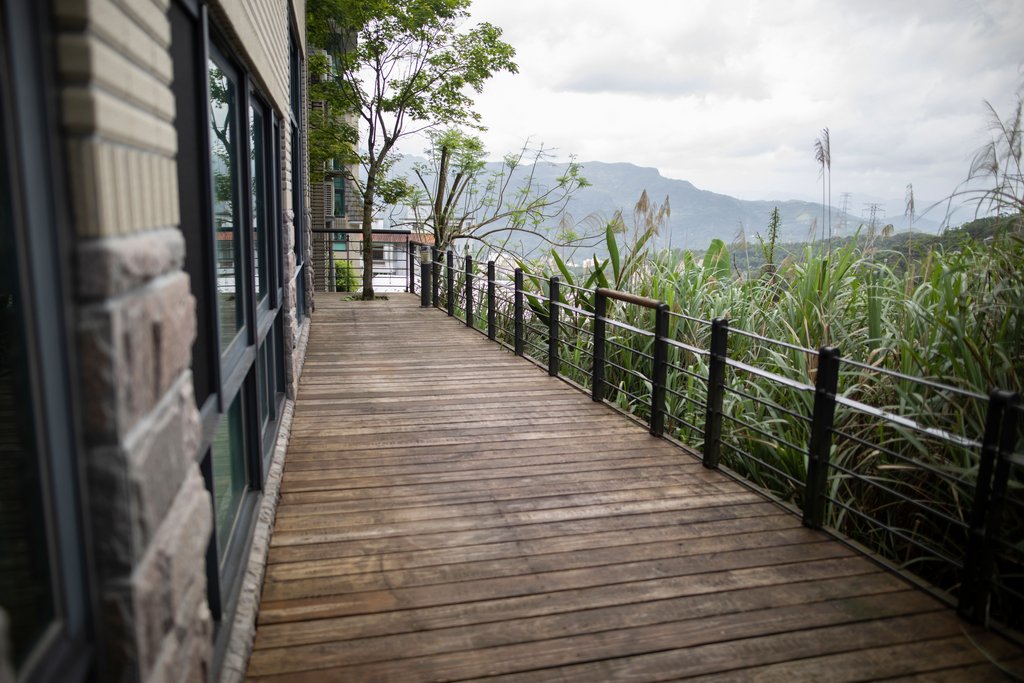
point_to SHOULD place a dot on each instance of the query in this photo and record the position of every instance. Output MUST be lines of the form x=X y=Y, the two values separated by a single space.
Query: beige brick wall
x=136 y=319
x=258 y=31
x=118 y=113
x=135 y=323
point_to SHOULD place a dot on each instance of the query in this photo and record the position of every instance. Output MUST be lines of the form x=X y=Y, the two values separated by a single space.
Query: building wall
x=135 y=324
x=149 y=514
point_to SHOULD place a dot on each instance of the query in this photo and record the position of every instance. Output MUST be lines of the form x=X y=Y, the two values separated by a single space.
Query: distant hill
x=896 y=250
x=698 y=216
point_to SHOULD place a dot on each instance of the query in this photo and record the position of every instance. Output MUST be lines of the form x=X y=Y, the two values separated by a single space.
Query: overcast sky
x=732 y=95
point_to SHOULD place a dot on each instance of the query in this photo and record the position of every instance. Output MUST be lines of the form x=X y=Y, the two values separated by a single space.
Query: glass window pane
x=339 y=196
x=257 y=167
x=262 y=372
x=297 y=201
x=24 y=559
x=224 y=164
x=229 y=476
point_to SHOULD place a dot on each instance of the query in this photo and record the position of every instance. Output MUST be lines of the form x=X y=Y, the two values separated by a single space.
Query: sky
x=732 y=95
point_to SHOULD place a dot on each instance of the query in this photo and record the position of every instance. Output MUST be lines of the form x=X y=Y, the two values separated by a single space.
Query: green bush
x=345 y=277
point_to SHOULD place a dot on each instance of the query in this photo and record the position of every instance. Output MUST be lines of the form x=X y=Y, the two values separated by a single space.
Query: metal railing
x=809 y=423
x=340 y=260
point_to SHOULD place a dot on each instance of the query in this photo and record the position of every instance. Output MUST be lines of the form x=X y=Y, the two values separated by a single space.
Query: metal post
x=469 y=291
x=410 y=268
x=659 y=369
x=435 y=267
x=518 y=312
x=1000 y=432
x=716 y=392
x=553 y=299
x=597 y=373
x=492 y=326
x=450 y=281
x=425 y=284
x=820 y=447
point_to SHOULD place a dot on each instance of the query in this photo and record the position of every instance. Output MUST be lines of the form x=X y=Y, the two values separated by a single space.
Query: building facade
x=154 y=302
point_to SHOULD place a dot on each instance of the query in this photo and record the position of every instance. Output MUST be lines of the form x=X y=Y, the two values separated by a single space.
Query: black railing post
x=553 y=298
x=435 y=267
x=450 y=281
x=492 y=324
x=718 y=353
x=518 y=311
x=425 y=284
x=597 y=373
x=469 y=291
x=819 y=450
x=410 y=268
x=659 y=369
x=975 y=586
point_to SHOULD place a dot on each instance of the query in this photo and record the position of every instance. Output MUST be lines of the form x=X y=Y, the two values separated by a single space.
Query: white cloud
x=731 y=96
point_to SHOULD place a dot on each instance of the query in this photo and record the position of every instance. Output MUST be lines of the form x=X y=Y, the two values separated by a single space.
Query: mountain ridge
x=697 y=216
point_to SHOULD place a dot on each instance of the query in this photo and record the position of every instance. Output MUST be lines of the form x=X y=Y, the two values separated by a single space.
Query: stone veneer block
x=131 y=349
x=110 y=267
x=160 y=611
x=134 y=486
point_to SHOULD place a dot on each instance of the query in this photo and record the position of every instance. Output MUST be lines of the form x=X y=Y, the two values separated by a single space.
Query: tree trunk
x=368 y=242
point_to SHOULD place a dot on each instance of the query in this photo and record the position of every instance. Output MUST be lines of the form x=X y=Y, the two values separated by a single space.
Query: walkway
x=450 y=512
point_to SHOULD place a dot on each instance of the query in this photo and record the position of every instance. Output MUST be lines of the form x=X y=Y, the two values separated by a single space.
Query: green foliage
x=768 y=248
x=332 y=136
x=403 y=66
x=469 y=202
x=958 y=319
x=345 y=278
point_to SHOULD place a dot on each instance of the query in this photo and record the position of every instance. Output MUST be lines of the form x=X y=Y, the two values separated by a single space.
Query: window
x=229 y=474
x=259 y=195
x=295 y=72
x=43 y=581
x=230 y=179
x=339 y=196
x=25 y=578
x=225 y=173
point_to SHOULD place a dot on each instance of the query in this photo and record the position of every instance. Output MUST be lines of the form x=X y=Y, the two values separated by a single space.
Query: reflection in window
x=228 y=450
x=263 y=369
x=339 y=196
x=223 y=160
x=257 y=166
x=24 y=561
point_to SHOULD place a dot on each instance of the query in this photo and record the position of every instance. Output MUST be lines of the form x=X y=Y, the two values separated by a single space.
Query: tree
x=409 y=69
x=467 y=201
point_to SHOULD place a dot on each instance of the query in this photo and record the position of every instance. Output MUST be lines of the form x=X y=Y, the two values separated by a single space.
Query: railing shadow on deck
x=806 y=426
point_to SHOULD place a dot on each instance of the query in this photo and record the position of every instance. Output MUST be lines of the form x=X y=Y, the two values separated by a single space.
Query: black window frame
x=234 y=374
x=296 y=69
x=40 y=227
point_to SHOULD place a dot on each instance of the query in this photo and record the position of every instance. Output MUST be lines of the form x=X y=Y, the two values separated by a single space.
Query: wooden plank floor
x=450 y=512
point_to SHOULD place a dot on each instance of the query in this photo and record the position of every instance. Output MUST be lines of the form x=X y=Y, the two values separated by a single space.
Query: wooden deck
x=450 y=512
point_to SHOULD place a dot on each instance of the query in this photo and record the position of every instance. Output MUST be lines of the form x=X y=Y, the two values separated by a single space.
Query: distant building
x=154 y=297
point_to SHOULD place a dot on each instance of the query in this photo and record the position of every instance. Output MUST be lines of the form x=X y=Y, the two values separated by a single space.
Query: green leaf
x=716 y=261
x=613 y=252
x=562 y=269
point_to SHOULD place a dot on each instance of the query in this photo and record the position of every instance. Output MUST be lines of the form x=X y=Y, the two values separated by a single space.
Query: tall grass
x=902 y=488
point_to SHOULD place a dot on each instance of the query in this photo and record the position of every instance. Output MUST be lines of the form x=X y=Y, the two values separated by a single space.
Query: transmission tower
x=844 y=208
x=874 y=210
